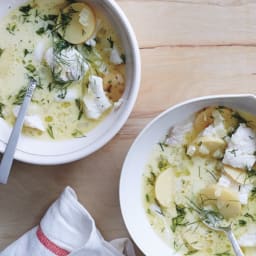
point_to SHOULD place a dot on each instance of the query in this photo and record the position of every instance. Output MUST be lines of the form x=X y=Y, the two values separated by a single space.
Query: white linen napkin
x=67 y=229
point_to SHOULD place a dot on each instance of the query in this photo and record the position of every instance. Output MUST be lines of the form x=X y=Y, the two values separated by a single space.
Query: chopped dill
x=25 y=9
x=163 y=163
x=111 y=42
x=20 y=96
x=1 y=110
x=226 y=253
x=1 y=51
x=31 y=68
x=123 y=57
x=26 y=52
x=242 y=222
x=41 y=31
x=50 y=131
x=161 y=144
x=147 y=198
x=191 y=252
x=11 y=28
x=80 y=106
x=77 y=134
x=179 y=219
x=64 y=19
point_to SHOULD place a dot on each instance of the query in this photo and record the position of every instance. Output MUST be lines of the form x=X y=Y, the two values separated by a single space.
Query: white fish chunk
x=39 y=51
x=241 y=148
x=115 y=56
x=71 y=95
x=32 y=121
x=95 y=100
x=242 y=190
x=67 y=65
x=177 y=133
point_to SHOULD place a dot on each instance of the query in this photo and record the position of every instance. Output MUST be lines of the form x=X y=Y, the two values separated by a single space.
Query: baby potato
x=203 y=119
x=114 y=85
x=238 y=175
x=164 y=189
x=225 y=199
x=76 y=23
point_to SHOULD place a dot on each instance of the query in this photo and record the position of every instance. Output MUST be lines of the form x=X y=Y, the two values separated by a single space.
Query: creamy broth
x=27 y=33
x=176 y=177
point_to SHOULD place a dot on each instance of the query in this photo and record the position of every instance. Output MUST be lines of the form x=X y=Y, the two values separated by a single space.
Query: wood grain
x=188 y=49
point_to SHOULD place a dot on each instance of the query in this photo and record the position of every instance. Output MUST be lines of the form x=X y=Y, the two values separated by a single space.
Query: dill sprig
x=20 y=96
x=77 y=134
x=50 y=131
x=64 y=20
x=80 y=106
x=1 y=110
x=1 y=51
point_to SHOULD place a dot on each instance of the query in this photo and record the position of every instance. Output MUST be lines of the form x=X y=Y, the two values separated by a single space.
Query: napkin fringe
x=47 y=243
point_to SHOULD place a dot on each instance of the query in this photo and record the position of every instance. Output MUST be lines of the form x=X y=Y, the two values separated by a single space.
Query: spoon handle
x=234 y=243
x=7 y=159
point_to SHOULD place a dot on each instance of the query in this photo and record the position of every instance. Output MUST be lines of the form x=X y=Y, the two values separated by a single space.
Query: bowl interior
x=36 y=151
x=133 y=168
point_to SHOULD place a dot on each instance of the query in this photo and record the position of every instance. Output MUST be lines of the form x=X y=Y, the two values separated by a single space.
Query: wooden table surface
x=188 y=48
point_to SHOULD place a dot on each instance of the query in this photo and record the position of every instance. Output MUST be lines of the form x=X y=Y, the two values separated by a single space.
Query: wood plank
x=192 y=22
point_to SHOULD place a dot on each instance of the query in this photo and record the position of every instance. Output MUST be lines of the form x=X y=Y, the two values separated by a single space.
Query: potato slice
x=209 y=146
x=203 y=119
x=76 y=23
x=236 y=174
x=225 y=199
x=164 y=187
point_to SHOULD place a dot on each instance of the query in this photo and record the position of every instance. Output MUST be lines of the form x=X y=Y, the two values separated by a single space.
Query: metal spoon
x=7 y=159
x=214 y=223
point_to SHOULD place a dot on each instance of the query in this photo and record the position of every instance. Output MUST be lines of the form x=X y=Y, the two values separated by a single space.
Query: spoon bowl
x=217 y=223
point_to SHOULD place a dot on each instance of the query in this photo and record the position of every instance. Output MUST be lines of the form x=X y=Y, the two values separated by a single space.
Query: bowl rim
x=38 y=159
x=126 y=215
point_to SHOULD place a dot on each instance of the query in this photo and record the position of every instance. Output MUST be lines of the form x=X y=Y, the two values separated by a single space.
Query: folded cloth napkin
x=67 y=229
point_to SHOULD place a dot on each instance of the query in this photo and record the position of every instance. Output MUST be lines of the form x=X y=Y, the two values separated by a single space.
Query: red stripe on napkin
x=49 y=244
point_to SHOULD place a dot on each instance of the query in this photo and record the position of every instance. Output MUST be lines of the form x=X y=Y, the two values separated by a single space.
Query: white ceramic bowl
x=130 y=189
x=57 y=152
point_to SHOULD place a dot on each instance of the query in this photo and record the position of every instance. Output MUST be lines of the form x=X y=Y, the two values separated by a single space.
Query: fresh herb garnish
x=179 y=219
x=239 y=118
x=1 y=110
x=152 y=178
x=226 y=253
x=1 y=51
x=77 y=134
x=111 y=42
x=242 y=222
x=50 y=17
x=11 y=28
x=50 y=131
x=161 y=144
x=163 y=163
x=41 y=31
x=25 y=9
x=248 y=215
x=20 y=96
x=65 y=19
x=31 y=68
x=26 y=52
x=191 y=252
x=80 y=106
x=123 y=57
